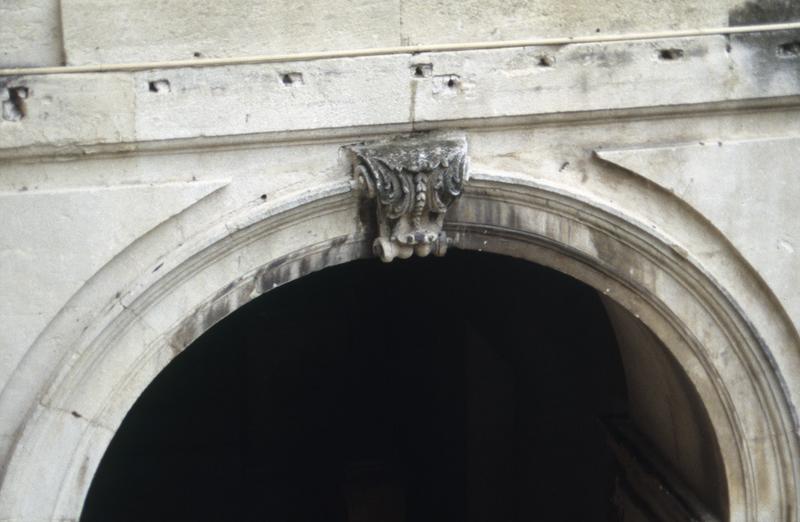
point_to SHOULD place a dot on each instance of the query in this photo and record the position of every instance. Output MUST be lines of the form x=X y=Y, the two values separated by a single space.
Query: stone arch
x=713 y=339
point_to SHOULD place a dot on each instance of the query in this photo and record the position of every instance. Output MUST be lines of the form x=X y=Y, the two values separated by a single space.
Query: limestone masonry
x=140 y=206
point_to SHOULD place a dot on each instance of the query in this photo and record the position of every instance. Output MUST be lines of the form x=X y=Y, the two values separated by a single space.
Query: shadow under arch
x=722 y=355
x=469 y=387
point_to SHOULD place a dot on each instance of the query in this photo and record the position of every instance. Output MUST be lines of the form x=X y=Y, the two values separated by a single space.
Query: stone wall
x=112 y=179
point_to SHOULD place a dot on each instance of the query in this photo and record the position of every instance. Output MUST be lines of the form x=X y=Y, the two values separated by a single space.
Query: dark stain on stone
x=768 y=49
x=219 y=309
x=279 y=271
x=765 y=12
x=230 y=286
x=367 y=215
x=76 y=414
x=305 y=265
x=184 y=335
x=339 y=241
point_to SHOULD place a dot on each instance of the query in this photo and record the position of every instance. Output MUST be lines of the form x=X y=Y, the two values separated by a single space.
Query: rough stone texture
x=513 y=84
x=77 y=232
x=264 y=177
x=739 y=187
x=433 y=22
x=30 y=33
x=224 y=101
x=96 y=31
x=414 y=182
x=99 y=32
x=92 y=109
x=120 y=245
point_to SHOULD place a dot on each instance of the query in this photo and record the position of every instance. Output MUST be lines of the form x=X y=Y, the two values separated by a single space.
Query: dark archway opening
x=466 y=388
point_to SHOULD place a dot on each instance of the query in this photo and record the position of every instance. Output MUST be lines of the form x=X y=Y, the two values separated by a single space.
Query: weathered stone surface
x=667 y=409
x=114 y=110
x=270 y=179
x=66 y=110
x=221 y=101
x=584 y=77
x=30 y=33
x=748 y=189
x=433 y=22
x=414 y=180
x=115 y=256
x=96 y=31
x=55 y=241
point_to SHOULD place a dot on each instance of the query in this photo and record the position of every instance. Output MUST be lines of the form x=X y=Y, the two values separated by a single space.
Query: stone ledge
x=62 y=112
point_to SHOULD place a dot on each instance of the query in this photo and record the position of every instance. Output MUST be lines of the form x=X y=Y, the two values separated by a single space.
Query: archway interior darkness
x=465 y=388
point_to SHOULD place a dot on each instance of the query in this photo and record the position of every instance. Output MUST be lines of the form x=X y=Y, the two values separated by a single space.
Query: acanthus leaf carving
x=414 y=180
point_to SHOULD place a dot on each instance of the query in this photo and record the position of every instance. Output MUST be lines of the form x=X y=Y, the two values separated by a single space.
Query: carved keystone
x=415 y=180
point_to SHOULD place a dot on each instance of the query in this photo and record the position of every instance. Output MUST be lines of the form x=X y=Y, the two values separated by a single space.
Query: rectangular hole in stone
x=291 y=78
x=545 y=60
x=789 y=49
x=670 y=54
x=422 y=70
x=14 y=105
x=159 y=86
